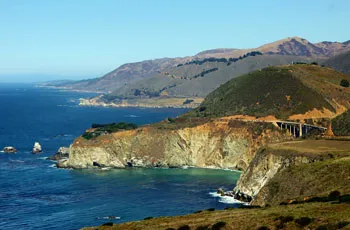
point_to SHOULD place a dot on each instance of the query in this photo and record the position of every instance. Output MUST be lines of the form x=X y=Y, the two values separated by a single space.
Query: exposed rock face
x=265 y=166
x=62 y=153
x=37 y=148
x=10 y=149
x=213 y=144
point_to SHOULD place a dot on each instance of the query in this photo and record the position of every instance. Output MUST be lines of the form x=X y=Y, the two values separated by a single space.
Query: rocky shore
x=61 y=154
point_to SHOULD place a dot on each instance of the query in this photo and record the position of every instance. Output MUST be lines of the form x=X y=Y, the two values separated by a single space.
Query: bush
x=334 y=196
x=344 y=83
x=107 y=224
x=303 y=221
x=148 y=218
x=211 y=209
x=218 y=225
x=108 y=128
x=184 y=227
x=188 y=101
x=203 y=227
x=263 y=228
x=338 y=225
x=344 y=199
x=171 y=120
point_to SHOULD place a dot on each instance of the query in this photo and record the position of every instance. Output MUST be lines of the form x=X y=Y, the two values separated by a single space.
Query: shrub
x=218 y=225
x=148 y=218
x=303 y=221
x=188 y=101
x=344 y=83
x=263 y=228
x=211 y=209
x=344 y=199
x=109 y=128
x=171 y=120
x=184 y=227
x=338 y=225
x=334 y=196
x=108 y=224
x=203 y=227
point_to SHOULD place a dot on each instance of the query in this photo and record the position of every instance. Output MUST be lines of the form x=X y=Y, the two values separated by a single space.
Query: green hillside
x=341 y=124
x=280 y=91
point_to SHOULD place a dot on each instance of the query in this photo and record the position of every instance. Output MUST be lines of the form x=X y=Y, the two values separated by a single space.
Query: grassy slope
x=320 y=213
x=341 y=124
x=264 y=92
x=313 y=179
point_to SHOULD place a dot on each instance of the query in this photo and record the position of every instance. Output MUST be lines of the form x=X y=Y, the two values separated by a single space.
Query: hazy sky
x=87 y=38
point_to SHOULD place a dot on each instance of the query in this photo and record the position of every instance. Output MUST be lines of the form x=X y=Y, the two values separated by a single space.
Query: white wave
x=131 y=116
x=42 y=158
x=226 y=199
x=2 y=151
x=18 y=161
x=105 y=168
x=109 y=218
x=231 y=170
x=53 y=166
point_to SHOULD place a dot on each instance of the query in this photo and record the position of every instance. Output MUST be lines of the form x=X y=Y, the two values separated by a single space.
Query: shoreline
x=93 y=102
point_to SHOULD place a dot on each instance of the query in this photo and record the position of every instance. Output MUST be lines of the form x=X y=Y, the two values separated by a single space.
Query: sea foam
x=226 y=199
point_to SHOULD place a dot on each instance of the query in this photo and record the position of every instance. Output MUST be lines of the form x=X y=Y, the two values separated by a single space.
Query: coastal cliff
x=219 y=143
x=292 y=170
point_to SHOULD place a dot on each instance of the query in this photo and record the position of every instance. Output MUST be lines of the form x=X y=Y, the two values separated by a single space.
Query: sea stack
x=10 y=149
x=36 y=148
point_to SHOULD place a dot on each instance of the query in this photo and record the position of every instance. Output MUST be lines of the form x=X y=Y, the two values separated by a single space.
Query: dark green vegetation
x=224 y=60
x=275 y=91
x=101 y=129
x=340 y=62
x=341 y=124
x=344 y=83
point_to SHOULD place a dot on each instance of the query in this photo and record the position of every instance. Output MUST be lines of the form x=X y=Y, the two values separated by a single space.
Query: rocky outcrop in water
x=10 y=149
x=37 y=148
x=61 y=154
x=218 y=144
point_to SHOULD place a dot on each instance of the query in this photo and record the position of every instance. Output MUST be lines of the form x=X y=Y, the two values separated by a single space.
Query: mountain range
x=196 y=76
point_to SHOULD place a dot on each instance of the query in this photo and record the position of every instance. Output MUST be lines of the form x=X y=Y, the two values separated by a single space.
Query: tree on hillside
x=344 y=83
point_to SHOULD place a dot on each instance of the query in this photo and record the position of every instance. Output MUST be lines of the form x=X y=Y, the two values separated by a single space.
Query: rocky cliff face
x=220 y=143
x=265 y=165
x=261 y=180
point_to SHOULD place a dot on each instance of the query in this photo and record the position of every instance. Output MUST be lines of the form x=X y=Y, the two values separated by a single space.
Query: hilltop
x=299 y=91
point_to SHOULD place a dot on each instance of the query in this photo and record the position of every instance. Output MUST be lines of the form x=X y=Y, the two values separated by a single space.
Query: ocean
x=36 y=195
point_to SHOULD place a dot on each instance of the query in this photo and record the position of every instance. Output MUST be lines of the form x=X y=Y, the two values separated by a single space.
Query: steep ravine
x=220 y=143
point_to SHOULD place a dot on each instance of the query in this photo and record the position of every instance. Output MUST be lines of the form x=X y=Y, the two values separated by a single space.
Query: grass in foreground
x=299 y=216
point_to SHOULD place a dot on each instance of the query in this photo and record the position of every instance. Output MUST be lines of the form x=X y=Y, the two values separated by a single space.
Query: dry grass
x=319 y=213
x=314 y=146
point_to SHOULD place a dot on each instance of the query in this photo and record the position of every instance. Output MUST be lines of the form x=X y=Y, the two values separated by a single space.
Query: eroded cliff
x=295 y=169
x=221 y=143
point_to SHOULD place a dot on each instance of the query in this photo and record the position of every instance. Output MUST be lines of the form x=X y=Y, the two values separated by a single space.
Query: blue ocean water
x=35 y=195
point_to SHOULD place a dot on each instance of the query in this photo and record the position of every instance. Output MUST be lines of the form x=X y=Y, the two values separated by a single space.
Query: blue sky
x=87 y=38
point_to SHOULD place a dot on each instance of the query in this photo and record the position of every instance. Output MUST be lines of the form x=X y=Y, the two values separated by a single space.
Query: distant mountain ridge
x=340 y=62
x=191 y=77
